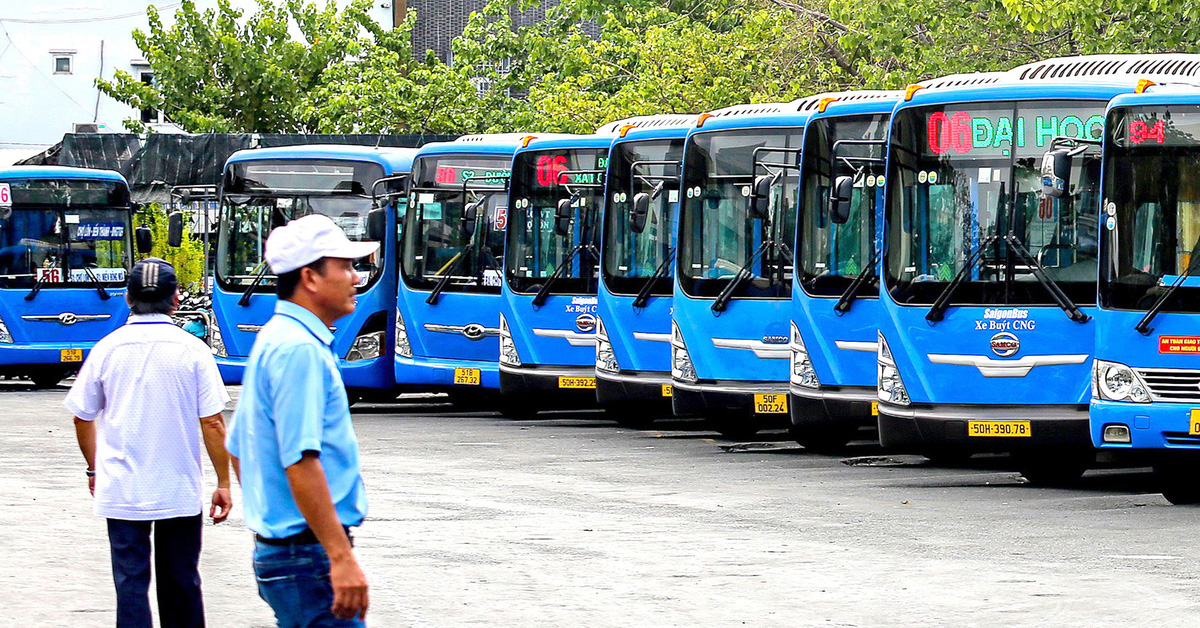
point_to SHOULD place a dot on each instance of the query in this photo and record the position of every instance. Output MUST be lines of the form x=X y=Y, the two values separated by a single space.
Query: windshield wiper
x=444 y=280
x=643 y=295
x=104 y=295
x=938 y=310
x=245 y=300
x=1143 y=326
x=851 y=293
x=722 y=300
x=540 y=298
x=1039 y=271
x=37 y=287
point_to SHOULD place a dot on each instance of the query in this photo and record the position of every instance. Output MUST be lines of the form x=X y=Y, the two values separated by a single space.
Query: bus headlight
x=803 y=373
x=606 y=360
x=5 y=337
x=215 y=342
x=403 y=348
x=366 y=347
x=1112 y=381
x=891 y=388
x=508 y=348
x=681 y=361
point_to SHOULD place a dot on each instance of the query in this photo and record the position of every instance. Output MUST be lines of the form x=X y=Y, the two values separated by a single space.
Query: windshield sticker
x=672 y=196
x=501 y=219
x=491 y=277
x=98 y=230
x=50 y=275
x=80 y=275
x=1179 y=344
x=431 y=210
x=5 y=195
x=352 y=225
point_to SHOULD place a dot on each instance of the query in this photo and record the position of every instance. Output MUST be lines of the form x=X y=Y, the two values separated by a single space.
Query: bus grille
x=1178 y=385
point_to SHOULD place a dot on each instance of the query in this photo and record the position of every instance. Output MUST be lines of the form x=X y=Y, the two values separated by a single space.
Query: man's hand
x=92 y=485
x=350 y=598
x=222 y=503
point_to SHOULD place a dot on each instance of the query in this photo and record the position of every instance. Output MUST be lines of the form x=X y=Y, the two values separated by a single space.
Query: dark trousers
x=176 y=566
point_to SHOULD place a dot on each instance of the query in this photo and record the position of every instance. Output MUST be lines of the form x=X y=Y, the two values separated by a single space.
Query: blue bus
x=989 y=285
x=633 y=315
x=451 y=264
x=733 y=276
x=265 y=188
x=66 y=243
x=1146 y=377
x=551 y=268
x=835 y=295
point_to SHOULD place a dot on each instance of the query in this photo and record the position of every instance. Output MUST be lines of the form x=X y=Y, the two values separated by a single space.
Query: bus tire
x=1047 y=471
x=734 y=425
x=827 y=440
x=47 y=377
x=629 y=416
x=516 y=407
x=1177 y=483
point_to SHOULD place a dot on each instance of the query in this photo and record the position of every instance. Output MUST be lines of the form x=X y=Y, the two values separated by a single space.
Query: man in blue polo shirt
x=291 y=438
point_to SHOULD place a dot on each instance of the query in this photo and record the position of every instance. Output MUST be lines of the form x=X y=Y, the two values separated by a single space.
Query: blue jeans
x=294 y=580
x=176 y=565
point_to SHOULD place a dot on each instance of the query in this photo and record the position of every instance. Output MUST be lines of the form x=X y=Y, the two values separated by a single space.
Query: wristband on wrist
x=91 y=473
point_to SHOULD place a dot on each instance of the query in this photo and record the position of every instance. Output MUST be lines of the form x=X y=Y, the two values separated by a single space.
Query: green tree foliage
x=1112 y=26
x=187 y=258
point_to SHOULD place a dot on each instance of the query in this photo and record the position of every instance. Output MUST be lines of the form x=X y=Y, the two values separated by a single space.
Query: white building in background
x=52 y=51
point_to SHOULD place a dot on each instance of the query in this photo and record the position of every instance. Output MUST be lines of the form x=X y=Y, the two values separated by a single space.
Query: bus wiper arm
x=851 y=293
x=540 y=298
x=37 y=287
x=1143 y=326
x=444 y=280
x=1039 y=271
x=104 y=296
x=643 y=295
x=938 y=310
x=245 y=300
x=722 y=300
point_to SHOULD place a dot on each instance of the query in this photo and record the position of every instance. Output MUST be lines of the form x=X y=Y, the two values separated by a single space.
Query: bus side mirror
x=562 y=217
x=760 y=200
x=377 y=224
x=470 y=216
x=840 y=200
x=1056 y=172
x=144 y=240
x=640 y=211
x=185 y=196
x=175 y=229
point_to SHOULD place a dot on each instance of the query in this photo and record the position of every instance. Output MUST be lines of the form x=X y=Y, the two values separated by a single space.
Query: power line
x=12 y=44
x=85 y=20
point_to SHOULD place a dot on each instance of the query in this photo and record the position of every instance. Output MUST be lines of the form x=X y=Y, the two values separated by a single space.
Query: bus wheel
x=828 y=440
x=1041 y=470
x=516 y=407
x=734 y=425
x=46 y=378
x=629 y=416
x=948 y=457
x=1177 y=483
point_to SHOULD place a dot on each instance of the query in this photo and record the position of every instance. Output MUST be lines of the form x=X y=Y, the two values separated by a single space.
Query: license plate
x=467 y=377
x=874 y=408
x=70 y=355
x=667 y=390
x=770 y=404
x=1194 y=424
x=576 y=382
x=1008 y=429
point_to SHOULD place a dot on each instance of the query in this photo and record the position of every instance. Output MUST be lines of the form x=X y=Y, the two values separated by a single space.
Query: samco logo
x=1005 y=344
x=586 y=323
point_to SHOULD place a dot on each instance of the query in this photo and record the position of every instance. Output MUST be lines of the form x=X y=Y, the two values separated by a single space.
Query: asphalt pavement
x=568 y=519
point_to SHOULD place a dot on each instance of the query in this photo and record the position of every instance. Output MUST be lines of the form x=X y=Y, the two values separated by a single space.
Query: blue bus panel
x=66 y=244
x=265 y=188
x=633 y=318
x=451 y=264
x=835 y=297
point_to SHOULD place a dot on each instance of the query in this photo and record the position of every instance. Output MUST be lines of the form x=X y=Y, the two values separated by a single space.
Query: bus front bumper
x=709 y=397
x=1158 y=425
x=372 y=374
x=550 y=386
x=632 y=387
x=926 y=427
x=444 y=374
x=832 y=407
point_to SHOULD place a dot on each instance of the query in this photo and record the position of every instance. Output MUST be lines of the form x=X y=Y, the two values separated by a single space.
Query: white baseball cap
x=308 y=239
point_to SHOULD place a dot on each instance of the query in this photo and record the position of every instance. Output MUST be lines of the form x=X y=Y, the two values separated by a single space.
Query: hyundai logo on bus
x=586 y=323
x=474 y=331
x=1005 y=344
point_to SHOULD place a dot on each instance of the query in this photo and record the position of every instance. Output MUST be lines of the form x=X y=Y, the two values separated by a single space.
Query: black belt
x=306 y=537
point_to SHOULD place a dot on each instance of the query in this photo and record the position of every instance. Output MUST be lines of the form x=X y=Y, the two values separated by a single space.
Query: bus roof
x=666 y=120
x=59 y=172
x=879 y=102
x=1160 y=94
x=479 y=144
x=393 y=160
x=567 y=142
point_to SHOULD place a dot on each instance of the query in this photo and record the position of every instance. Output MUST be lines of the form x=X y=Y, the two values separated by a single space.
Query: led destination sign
x=997 y=132
x=555 y=169
x=474 y=172
x=1149 y=127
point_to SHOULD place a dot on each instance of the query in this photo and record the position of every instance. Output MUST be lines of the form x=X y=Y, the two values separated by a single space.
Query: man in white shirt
x=141 y=401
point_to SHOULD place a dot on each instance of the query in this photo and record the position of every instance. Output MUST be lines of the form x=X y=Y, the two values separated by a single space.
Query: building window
x=149 y=115
x=62 y=64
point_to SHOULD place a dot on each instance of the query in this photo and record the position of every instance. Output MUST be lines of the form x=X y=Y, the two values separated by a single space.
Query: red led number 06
x=950 y=132
x=5 y=194
x=549 y=168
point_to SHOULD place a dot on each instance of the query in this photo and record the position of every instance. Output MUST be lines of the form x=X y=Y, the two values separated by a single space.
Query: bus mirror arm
x=1056 y=164
x=760 y=202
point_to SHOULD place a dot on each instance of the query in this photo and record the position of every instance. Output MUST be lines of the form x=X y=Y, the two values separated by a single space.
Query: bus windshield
x=64 y=233
x=718 y=235
x=831 y=255
x=261 y=195
x=437 y=239
x=1152 y=213
x=631 y=258
x=540 y=179
x=963 y=177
